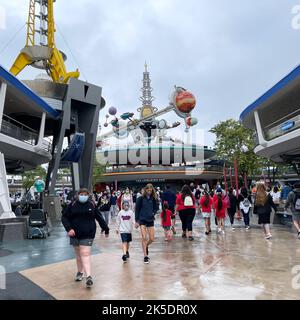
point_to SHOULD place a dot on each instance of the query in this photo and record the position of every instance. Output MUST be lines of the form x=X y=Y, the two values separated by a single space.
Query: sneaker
x=219 y=230
x=269 y=236
x=146 y=260
x=223 y=232
x=89 y=282
x=183 y=235
x=247 y=228
x=232 y=228
x=191 y=238
x=79 y=276
x=207 y=233
x=127 y=255
x=124 y=258
x=166 y=239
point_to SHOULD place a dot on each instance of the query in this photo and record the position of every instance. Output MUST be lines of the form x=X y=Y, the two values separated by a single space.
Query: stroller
x=37 y=224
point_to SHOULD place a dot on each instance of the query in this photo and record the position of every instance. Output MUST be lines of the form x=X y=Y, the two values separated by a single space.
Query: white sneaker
x=269 y=236
x=223 y=232
x=233 y=228
x=247 y=228
x=218 y=230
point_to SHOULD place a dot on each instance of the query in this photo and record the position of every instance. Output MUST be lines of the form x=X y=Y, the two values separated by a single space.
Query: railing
x=20 y=131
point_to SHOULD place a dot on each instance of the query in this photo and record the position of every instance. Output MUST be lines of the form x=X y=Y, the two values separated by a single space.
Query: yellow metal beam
x=55 y=64
x=51 y=25
x=30 y=39
x=20 y=63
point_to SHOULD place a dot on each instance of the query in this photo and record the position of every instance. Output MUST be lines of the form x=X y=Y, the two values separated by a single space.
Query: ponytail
x=165 y=207
x=220 y=202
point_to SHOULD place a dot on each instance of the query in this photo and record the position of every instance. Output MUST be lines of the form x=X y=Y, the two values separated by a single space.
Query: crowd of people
x=139 y=209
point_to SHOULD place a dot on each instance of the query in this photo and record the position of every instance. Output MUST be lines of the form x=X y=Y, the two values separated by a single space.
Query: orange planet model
x=185 y=101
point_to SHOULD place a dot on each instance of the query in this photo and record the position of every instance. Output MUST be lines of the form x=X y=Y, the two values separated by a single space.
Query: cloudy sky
x=227 y=52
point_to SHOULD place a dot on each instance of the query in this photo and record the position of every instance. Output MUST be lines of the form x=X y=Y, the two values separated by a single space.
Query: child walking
x=220 y=207
x=166 y=221
x=124 y=225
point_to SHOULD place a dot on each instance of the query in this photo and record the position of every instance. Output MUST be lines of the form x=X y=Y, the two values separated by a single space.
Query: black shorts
x=126 y=237
x=81 y=242
x=146 y=223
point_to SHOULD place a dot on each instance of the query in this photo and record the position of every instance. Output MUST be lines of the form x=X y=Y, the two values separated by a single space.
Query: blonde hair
x=261 y=195
x=148 y=186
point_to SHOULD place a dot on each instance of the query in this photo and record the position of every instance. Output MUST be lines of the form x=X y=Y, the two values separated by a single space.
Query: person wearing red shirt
x=185 y=205
x=166 y=221
x=220 y=206
x=206 y=203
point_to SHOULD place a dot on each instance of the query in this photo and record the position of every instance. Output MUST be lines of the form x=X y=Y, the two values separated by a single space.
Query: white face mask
x=83 y=198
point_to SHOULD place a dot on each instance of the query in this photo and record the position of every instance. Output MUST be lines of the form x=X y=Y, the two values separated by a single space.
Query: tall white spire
x=146 y=97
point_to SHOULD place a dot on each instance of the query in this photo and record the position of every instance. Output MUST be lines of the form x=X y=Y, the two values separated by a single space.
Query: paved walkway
x=239 y=265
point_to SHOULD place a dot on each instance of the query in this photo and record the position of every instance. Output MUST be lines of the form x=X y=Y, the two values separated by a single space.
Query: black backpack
x=297 y=201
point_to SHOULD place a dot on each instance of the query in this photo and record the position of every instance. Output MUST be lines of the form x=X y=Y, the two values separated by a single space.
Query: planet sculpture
x=185 y=101
x=190 y=121
x=112 y=111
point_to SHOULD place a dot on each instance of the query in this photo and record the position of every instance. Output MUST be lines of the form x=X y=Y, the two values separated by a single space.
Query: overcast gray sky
x=227 y=52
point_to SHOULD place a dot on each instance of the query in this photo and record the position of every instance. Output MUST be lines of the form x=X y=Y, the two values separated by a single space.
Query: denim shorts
x=296 y=216
x=167 y=228
x=126 y=237
x=81 y=242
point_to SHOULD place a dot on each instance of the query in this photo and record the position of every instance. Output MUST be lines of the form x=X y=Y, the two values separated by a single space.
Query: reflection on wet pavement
x=239 y=265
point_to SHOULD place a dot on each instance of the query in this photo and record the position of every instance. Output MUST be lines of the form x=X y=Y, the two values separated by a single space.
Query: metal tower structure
x=44 y=55
x=146 y=97
x=147 y=109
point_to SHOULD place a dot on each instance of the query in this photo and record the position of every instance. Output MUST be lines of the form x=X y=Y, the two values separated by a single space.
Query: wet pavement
x=238 y=265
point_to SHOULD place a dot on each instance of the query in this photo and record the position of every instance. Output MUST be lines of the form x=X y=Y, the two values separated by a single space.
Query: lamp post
x=236 y=173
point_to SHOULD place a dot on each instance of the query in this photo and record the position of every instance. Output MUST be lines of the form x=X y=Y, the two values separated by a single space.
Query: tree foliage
x=29 y=177
x=234 y=141
x=98 y=171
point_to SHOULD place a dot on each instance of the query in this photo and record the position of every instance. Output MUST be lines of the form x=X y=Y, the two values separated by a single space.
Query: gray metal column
x=3 y=87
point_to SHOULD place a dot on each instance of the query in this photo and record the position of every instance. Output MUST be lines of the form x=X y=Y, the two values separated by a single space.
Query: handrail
x=17 y=122
x=27 y=135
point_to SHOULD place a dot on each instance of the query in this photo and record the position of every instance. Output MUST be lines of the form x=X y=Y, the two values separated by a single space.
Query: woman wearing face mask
x=79 y=221
x=127 y=196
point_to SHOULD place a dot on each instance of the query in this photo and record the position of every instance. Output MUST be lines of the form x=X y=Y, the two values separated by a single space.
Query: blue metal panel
x=280 y=85
x=75 y=149
x=16 y=83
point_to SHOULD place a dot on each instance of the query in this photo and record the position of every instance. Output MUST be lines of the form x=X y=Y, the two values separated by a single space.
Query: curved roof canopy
x=282 y=99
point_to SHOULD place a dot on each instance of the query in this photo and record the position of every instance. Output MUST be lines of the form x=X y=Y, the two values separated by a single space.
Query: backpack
x=227 y=201
x=188 y=201
x=245 y=205
x=297 y=201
